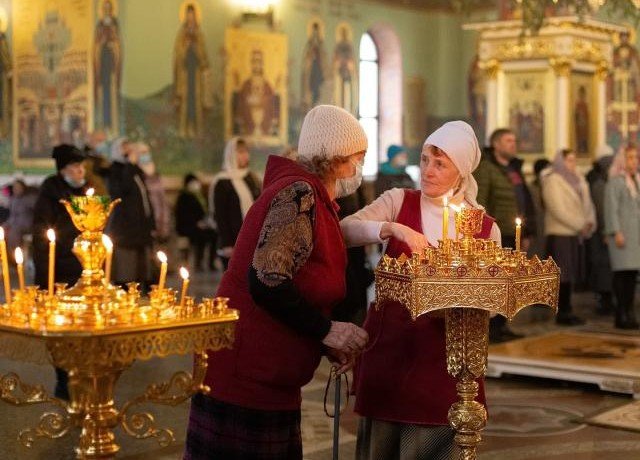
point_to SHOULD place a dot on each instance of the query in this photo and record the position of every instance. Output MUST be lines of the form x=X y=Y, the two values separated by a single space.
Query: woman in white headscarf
x=232 y=192
x=403 y=391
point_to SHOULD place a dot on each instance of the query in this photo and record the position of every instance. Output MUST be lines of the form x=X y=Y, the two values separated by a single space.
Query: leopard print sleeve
x=286 y=238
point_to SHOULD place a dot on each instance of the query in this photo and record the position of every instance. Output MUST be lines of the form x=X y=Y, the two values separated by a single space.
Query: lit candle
x=456 y=210
x=19 y=263
x=445 y=219
x=162 y=257
x=5 y=267
x=184 y=273
x=51 y=235
x=518 y=230
x=108 y=245
x=91 y=191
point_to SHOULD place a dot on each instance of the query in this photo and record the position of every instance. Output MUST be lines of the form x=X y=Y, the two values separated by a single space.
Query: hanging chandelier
x=534 y=12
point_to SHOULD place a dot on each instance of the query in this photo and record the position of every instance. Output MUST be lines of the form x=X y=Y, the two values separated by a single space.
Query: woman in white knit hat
x=286 y=274
x=403 y=391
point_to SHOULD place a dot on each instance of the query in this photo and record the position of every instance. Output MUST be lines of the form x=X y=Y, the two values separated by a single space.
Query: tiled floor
x=530 y=418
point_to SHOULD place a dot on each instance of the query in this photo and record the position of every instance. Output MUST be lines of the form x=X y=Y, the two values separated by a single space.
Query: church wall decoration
x=345 y=77
x=415 y=117
x=477 y=97
x=583 y=108
x=256 y=75
x=192 y=76
x=623 y=91
x=52 y=78
x=5 y=76
x=525 y=114
x=107 y=68
x=315 y=69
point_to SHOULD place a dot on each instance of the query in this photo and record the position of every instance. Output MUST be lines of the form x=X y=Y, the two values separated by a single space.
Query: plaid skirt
x=222 y=431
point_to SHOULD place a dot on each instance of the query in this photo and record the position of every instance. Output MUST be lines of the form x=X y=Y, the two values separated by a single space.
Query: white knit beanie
x=330 y=131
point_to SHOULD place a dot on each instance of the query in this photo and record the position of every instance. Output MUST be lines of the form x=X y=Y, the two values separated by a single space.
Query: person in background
x=192 y=222
x=231 y=194
x=569 y=220
x=600 y=276
x=68 y=181
x=96 y=163
x=392 y=173
x=131 y=224
x=622 y=227
x=285 y=277
x=157 y=195
x=538 y=244
x=503 y=191
x=21 y=209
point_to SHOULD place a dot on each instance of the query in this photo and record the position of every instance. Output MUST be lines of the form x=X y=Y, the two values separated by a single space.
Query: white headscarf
x=117 y=152
x=236 y=175
x=459 y=142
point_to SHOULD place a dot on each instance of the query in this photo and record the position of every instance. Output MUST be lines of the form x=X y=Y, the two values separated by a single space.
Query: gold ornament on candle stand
x=20 y=267
x=95 y=331
x=5 y=267
x=518 y=232
x=51 y=236
x=470 y=279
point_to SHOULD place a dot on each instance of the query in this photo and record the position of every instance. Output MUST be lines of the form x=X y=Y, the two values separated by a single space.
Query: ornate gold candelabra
x=95 y=331
x=471 y=278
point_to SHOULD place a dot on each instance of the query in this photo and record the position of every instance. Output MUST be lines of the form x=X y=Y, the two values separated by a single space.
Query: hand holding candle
x=518 y=231
x=51 y=235
x=5 y=267
x=108 y=245
x=20 y=263
x=184 y=274
x=162 y=257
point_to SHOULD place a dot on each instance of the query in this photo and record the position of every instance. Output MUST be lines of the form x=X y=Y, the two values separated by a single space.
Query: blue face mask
x=144 y=159
x=102 y=148
x=74 y=184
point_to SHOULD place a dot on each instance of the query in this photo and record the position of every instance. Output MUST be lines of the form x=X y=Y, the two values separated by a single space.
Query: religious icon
x=190 y=66
x=344 y=69
x=477 y=93
x=623 y=92
x=255 y=86
x=108 y=68
x=581 y=121
x=5 y=77
x=525 y=111
x=314 y=65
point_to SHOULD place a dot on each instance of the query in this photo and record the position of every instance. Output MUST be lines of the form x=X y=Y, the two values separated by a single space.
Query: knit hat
x=459 y=142
x=65 y=154
x=394 y=150
x=330 y=131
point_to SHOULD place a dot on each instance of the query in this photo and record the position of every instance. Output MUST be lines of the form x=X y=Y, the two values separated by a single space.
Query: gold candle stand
x=470 y=279
x=95 y=331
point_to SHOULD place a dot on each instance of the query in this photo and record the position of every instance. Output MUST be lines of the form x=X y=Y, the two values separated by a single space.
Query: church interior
x=136 y=137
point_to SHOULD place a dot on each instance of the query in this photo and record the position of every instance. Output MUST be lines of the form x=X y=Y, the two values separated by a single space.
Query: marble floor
x=530 y=418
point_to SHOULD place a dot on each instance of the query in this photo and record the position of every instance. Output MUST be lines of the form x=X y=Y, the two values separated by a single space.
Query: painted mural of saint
x=256 y=106
x=190 y=63
x=344 y=70
x=581 y=121
x=108 y=69
x=5 y=84
x=313 y=67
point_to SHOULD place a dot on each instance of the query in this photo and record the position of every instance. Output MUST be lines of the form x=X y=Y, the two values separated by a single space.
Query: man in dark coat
x=68 y=181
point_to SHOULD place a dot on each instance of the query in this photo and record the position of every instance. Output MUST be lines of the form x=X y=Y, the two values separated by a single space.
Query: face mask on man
x=193 y=186
x=74 y=183
x=349 y=185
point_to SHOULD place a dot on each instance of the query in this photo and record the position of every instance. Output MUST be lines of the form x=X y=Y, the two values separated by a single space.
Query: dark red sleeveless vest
x=402 y=377
x=269 y=363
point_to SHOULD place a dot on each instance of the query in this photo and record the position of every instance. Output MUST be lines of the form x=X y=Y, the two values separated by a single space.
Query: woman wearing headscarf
x=569 y=220
x=231 y=194
x=289 y=240
x=622 y=226
x=403 y=390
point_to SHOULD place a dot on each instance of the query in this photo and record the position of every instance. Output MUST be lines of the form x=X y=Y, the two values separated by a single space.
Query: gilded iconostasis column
x=492 y=69
x=602 y=72
x=562 y=71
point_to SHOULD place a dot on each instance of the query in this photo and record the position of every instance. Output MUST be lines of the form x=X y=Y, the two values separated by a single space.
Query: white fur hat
x=330 y=131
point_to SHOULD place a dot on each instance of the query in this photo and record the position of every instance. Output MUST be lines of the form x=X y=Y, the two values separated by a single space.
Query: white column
x=492 y=99
x=601 y=128
x=562 y=70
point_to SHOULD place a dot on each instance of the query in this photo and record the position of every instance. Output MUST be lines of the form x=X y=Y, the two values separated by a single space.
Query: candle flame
x=184 y=273
x=162 y=257
x=51 y=235
x=461 y=206
x=518 y=221
x=19 y=256
x=445 y=201
x=91 y=191
x=1 y=234
x=108 y=244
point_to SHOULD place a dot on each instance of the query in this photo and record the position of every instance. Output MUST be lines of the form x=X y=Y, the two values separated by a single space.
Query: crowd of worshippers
x=308 y=219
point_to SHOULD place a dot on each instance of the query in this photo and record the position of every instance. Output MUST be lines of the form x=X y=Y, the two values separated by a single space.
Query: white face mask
x=349 y=185
x=194 y=186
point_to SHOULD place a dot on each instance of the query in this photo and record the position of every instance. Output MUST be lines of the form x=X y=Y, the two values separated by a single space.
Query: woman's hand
x=342 y=362
x=619 y=239
x=346 y=338
x=416 y=241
